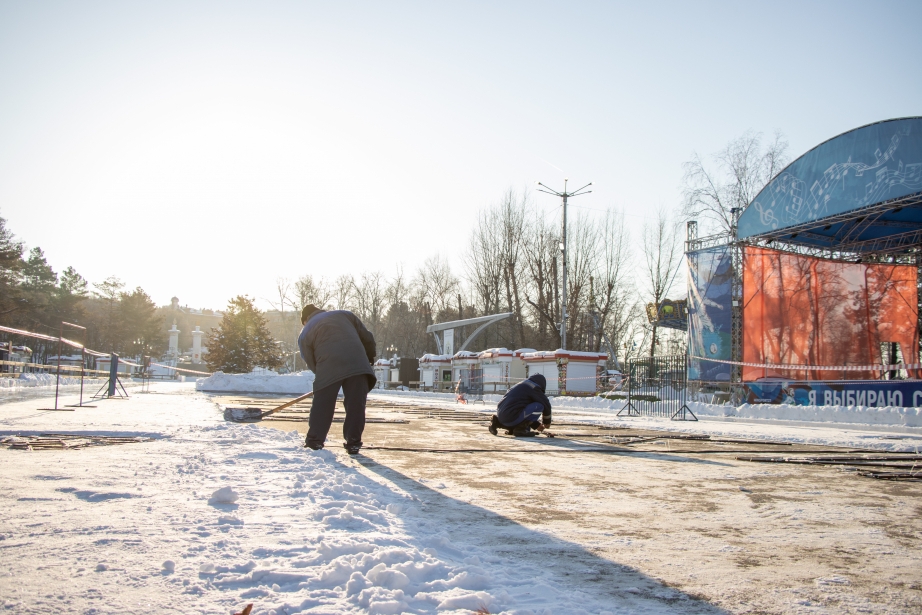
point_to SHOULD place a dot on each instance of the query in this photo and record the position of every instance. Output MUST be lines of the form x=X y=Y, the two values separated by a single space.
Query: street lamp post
x=563 y=250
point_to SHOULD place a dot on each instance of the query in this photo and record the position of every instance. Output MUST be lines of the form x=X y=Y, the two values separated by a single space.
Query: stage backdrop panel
x=810 y=311
x=709 y=315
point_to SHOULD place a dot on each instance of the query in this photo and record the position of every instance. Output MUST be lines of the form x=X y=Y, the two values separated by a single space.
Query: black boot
x=494 y=425
x=523 y=430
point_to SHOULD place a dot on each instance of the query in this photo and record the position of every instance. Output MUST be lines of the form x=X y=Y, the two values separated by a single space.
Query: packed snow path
x=210 y=516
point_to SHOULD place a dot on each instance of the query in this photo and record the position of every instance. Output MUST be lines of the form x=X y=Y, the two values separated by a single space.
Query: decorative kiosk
x=435 y=372
x=568 y=372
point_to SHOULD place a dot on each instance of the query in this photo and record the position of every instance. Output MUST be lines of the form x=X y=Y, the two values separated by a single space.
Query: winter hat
x=308 y=311
x=539 y=380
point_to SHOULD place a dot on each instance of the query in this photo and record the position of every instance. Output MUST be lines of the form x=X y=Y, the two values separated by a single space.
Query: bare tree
x=288 y=323
x=743 y=168
x=484 y=270
x=404 y=325
x=436 y=284
x=615 y=298
x=369 y=296
x=583 y=250
x=512 y=232
x=342 y=291
x=662 y=254
x=282 y=293
x=541 y=252
x=317 y=292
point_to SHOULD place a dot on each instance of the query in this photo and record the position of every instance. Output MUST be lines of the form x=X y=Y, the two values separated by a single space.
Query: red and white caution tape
x=817 y=368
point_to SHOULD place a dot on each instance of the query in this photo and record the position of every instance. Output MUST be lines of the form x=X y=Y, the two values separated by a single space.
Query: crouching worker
x=339 y=350
x=524 y=407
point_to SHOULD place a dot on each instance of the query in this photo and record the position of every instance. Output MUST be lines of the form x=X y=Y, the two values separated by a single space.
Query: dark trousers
x=513 y=418
x=355 y=392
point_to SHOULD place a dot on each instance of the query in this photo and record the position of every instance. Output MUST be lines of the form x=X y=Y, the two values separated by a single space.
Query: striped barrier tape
x=816 y=368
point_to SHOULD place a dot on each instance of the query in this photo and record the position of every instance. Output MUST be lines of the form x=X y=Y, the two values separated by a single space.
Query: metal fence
x=471 y=385
x=658 y=386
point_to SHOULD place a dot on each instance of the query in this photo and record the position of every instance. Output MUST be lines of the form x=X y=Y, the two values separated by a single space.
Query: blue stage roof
x=860 y=191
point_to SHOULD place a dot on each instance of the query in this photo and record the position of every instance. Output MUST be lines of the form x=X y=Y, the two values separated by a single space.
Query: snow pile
x=862 y=415
x=288 y=384
x=224 y=495
x=37 y=380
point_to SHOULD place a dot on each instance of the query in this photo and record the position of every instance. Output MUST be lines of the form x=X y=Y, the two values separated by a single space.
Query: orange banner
x=809 y=311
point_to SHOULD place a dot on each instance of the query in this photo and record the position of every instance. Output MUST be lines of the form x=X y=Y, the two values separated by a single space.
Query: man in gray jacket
x=339 y=350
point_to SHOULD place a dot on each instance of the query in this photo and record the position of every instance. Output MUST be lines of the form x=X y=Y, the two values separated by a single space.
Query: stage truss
x=903 y=248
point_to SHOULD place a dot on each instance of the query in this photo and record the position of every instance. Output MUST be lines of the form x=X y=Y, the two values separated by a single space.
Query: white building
x=435 y=371
x=462 y=363
x=383 y=368
x=502 y=368
x=568 y=372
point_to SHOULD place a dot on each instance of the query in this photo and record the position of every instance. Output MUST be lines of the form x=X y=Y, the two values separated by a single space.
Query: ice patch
x=832 y=580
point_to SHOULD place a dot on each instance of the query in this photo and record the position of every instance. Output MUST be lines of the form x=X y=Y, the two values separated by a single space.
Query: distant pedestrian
x=339 y=350
x=461 y=391
x=524 y=407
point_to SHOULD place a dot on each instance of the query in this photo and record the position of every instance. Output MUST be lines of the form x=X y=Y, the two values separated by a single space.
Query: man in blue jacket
x=339 y=350
x=522 y=408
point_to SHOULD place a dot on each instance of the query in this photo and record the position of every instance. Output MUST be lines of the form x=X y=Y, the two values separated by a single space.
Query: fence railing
x=658 y=386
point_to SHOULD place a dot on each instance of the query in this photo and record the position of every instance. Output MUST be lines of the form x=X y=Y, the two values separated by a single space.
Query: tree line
x=34 y=297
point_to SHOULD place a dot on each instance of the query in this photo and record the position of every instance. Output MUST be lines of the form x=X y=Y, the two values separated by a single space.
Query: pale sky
x=203 y=149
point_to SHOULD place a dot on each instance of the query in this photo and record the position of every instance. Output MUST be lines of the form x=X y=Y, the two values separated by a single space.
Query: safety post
x=57 y=380
x=113 y=384
x=82 y=364
x=113 y=373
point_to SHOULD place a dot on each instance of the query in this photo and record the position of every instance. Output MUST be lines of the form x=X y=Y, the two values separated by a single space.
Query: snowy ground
x=213 y=515
x=210 y=516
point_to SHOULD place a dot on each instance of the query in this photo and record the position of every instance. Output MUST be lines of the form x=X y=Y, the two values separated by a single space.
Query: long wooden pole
x=286 y=404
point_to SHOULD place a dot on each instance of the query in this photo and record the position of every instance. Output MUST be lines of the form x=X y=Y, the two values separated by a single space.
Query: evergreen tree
x=11 y=264
x=37 y=273
x=105 y=322
x=139 y=326
x=68 y=299
x=70 y=295
x=242 y=340
x=39 y=282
